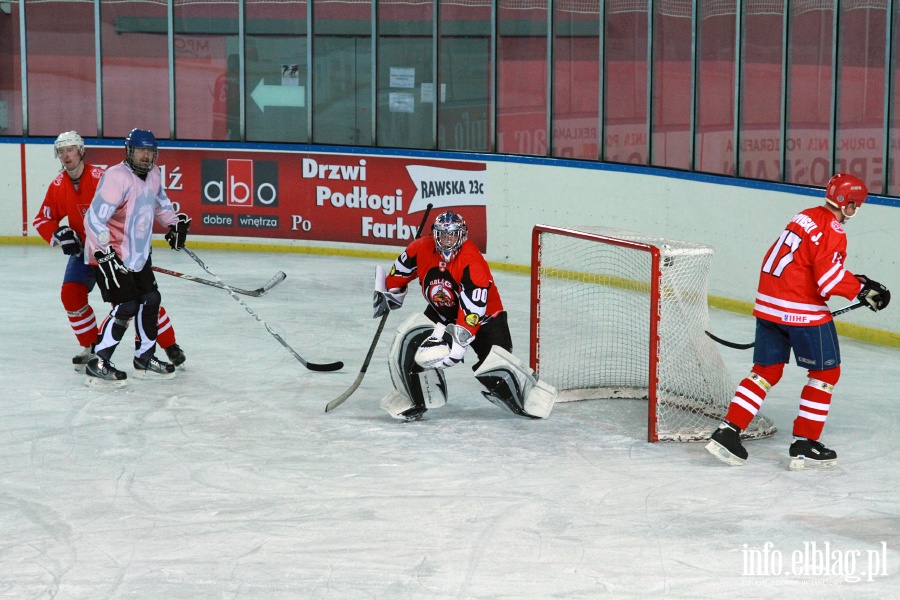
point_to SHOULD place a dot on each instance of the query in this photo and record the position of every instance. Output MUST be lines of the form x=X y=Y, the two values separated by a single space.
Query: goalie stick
x=362 y=372
x=260 y=291
x=309 y=365
x=738 y=346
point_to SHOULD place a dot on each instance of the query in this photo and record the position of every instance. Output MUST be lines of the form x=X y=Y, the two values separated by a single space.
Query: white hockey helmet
x=66 y=139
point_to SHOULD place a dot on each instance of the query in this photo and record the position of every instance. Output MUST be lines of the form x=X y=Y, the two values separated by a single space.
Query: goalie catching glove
x=874 y=294
x=178 y=232
x=385 y=300
x=66 y=238
x=445 y=347
x=111 y=266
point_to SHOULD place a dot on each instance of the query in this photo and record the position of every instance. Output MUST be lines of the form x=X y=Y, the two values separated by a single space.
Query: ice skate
x=811 y=454
x=81 y=359
x=101 y=373
x=175 y=355
x=153 y=368
x=726 y=445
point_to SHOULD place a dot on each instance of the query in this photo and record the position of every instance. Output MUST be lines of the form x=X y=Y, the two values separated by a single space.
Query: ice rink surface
x=231 y=482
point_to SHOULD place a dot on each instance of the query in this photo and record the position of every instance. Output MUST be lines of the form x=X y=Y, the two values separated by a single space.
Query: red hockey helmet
x=844 y=189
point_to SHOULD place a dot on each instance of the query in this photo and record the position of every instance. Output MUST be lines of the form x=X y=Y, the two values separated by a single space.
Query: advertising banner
x=324 y=197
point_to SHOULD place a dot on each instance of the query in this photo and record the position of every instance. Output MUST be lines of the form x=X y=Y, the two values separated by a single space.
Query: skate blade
x=151 y=375
x=80 y=368
x=720 y=452
x=801 y=463
x=104 y=384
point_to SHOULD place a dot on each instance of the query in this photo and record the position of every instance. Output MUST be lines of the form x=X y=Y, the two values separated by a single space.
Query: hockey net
x=618 y=314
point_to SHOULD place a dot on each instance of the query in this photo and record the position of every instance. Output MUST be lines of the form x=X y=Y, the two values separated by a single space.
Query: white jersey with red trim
x=803 y=269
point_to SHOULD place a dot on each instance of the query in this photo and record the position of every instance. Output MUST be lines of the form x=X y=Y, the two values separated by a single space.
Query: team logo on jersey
x=472 y=320
x=440 y=293
x=837 y=227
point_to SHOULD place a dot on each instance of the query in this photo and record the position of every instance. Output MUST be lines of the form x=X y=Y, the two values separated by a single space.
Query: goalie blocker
x=510 y=383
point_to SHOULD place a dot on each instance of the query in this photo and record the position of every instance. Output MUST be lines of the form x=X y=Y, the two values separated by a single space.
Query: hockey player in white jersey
x=118 y=228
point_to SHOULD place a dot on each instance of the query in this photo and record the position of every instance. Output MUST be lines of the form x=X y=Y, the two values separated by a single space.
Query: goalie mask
x=844 y=190
x=449 y=232
x=140 y=139
x=66 y=139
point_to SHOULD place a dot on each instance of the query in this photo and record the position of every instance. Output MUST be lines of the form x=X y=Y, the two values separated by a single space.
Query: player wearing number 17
x=119 y=228
x=464 y=310
x=800 y=272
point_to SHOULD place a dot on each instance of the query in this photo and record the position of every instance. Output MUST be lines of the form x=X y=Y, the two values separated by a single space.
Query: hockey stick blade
x=738 y=346
x=362 y=371
x=309 y=365
x=278 y=278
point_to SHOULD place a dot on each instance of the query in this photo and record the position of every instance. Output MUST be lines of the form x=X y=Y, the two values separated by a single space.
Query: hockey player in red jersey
x=68 y=198
x=464 y=310
x=800 y=272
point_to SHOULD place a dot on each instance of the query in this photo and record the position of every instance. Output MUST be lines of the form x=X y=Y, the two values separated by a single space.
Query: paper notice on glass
x=427 y=96
x=290 y=74
x=401 y=102
x=403 y=77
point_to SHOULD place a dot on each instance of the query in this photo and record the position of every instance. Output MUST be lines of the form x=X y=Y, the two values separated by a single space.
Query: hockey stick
x=737 y=346
x=362 y=372
x=309 y=365
x=261 y=291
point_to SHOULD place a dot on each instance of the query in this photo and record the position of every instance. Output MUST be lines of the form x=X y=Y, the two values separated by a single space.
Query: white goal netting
x=611 y=321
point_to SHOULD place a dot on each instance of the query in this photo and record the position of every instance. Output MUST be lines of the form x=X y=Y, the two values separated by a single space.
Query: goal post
x=620 y=314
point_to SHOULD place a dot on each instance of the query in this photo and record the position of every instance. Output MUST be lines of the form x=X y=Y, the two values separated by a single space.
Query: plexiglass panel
x=715 y=93
x=522 y=78
x=576 y=79
x=463 y=95
x=809 y=95
x=760 y=145
x=861 y=106
x=625 y=69
x=207 y=98
x=672 y=93
x=135 y=67
x=62 y=88
x=276 y=66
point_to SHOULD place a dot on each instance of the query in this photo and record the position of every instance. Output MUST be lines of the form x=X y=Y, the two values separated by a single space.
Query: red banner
x=326 y=197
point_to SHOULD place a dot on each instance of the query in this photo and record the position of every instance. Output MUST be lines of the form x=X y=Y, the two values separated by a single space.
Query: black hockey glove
x=874 y=294
x=178 y=232
x=111 y=266
x=384 y=300
x=66 y=237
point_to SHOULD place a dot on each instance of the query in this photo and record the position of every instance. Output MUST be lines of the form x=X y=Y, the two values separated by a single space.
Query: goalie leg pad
x=513 y=386
x=419 y=390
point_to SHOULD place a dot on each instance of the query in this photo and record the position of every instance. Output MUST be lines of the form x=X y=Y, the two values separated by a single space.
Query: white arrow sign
x=278 y=95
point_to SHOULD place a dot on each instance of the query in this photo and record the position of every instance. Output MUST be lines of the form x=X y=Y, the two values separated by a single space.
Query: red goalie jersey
x=803 y=269
x=461 y=292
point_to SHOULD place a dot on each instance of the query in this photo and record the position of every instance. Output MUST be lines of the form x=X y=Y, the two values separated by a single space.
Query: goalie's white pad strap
x=512 y=385
x=425 y=388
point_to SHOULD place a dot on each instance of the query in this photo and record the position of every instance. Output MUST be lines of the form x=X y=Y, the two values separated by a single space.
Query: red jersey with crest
x=64 y=201
x=803 y=269
x=462 y=292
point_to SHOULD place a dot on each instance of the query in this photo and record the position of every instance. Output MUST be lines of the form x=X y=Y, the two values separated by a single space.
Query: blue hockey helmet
x=140 y=138
x=449 y=232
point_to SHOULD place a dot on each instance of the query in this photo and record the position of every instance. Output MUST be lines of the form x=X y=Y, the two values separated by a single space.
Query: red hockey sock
x=751 y=393
x=815 y=400
x=81 y=316
x=165 y=337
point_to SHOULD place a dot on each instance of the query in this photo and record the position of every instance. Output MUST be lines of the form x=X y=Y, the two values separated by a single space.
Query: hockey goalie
x=464 y=311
